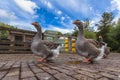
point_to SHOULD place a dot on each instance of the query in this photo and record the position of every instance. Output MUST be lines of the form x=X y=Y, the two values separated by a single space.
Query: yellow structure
x=73 y=45
x=66 y=44
x=69 y=45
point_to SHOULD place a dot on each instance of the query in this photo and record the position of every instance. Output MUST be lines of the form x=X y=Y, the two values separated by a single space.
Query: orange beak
x=32 y=23
x=74 y=22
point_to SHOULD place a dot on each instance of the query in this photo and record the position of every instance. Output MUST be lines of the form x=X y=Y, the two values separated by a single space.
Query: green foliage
x=117 y=35
x=110 y=31
x=75 y=32
x=86 y=23
x=106 y=29
x=106 y=20
x=4 y=33
x=5 y=25
x=59 y=33
x=89 y=34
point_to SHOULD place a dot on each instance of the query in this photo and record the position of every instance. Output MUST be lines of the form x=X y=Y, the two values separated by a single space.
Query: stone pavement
x=67 y=67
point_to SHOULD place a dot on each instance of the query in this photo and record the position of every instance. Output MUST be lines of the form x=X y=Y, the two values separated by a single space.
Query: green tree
x=117 y=35
x=4 y=33
x=59 y=33
x=105 y=28
x=75 y=32
x=86 y=23
x=106 y=20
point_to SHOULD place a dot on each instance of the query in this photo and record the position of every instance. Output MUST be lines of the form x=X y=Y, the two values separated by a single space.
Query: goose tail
x=56 y=52
x=102 y=53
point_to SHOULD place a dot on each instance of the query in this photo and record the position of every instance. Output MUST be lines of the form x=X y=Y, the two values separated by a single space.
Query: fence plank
x=16 y=47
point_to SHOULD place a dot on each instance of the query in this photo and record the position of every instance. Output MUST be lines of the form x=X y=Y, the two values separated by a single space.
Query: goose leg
x=41 y=59
x=88 y=60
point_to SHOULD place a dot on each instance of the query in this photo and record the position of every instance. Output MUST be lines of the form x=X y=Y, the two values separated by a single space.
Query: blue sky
x=55 y=14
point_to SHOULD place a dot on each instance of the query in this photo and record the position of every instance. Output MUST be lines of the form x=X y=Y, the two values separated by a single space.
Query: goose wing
x=50 y=45
x=94 y=42
x=91 y=48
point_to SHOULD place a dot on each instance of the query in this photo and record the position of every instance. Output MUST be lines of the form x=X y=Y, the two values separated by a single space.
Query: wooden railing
x=7 y=46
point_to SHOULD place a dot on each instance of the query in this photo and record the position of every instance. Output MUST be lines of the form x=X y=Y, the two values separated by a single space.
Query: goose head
x=36 y=24
x=79 y=24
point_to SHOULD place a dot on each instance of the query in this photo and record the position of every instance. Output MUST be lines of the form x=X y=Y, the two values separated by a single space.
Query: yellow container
x=73 y=44
x=73 y=50
x=66 y=49
x=73 y=40
x=66 y=45
x=66 y=41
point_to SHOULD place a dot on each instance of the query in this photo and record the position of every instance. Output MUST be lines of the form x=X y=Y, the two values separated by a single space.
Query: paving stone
x=36 y=69
x=45 y=68
x=62 y=76
x=16 y=65
x=1 y=65
x=113 y=69
x=7 y=66
x=103 y=78
x=45 y=76
x=31 y=64
x=2 y=74
x=114 y=73
x=82 y=77
x=31 y=78
x=109 y=75
x=105 y=70
x=52 y=71
x=26 y=74
x=93 y=75
x=89 y=70
x=66 y=67
x=23 y=69
x=68 y=72
x=11 y=78
x=24 y=64
x=13 y=72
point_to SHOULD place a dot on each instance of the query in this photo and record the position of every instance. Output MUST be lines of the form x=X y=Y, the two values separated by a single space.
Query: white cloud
x=23 y=25
x=7 y=15
x=26 y=5
x=56 y=28
x=59 y=12
x=62 y=18
x=116 y=6
x=47 y=3
x=76 y=6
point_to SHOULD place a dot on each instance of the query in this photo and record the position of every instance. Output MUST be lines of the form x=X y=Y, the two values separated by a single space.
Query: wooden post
x=24 y=38
x=12 y=39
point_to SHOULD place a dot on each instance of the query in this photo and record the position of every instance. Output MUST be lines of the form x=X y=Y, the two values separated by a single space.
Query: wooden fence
x=7 y=46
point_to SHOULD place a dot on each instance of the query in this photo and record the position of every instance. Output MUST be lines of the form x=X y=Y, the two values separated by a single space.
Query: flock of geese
x=88 y=48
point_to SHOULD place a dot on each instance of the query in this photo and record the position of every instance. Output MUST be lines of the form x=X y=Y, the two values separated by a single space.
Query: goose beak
x=33 y=23
x=74 y=22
